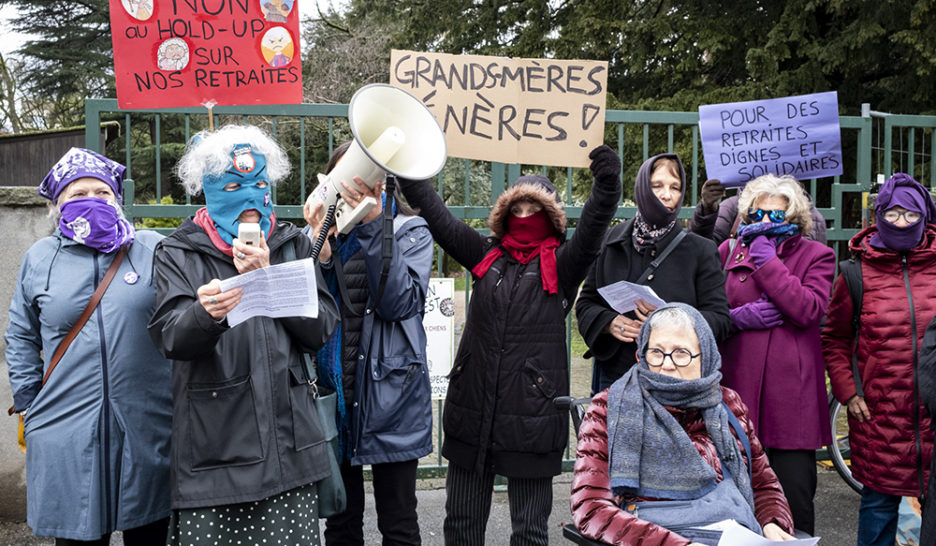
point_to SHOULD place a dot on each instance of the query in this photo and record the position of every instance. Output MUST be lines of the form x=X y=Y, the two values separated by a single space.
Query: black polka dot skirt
x=288 y=519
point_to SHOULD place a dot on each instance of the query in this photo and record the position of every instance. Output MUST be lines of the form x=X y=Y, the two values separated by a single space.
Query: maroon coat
x=883 y=450
x=596 y=510
x=778 y=371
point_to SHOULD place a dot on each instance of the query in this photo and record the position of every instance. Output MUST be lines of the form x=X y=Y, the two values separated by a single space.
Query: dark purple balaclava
x=649 y=206
x=903 y=191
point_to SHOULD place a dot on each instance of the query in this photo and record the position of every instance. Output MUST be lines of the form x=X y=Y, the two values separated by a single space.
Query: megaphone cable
x=323 y=235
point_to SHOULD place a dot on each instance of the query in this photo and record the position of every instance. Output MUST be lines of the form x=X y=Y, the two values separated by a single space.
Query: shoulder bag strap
x=289 y=254
x=851 y=274
x=745 y=441
x=732 y=243
x=85 y=315
x=648 y=273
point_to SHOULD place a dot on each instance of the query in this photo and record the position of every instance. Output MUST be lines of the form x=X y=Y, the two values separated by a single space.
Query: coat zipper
x=105 y=401
x=916 y=384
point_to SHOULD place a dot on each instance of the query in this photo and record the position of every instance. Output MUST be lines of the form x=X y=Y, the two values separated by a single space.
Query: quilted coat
x=596 y=511
x=885 y=454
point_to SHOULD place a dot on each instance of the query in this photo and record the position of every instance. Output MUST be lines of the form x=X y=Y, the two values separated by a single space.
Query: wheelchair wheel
x=839 y=451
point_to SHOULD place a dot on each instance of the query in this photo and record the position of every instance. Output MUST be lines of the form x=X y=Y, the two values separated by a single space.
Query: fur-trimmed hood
x=535 y=188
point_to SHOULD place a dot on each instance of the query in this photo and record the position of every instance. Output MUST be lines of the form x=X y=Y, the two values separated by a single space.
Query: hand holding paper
x=623 y=296
x=283 y=290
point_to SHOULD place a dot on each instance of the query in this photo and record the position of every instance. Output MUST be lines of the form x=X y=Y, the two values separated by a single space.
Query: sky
x=11 y=41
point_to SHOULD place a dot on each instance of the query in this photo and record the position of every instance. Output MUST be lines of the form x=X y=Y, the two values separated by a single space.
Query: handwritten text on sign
x=171 y=53
x=532 y=111
x=439 y=322
x=799 y=136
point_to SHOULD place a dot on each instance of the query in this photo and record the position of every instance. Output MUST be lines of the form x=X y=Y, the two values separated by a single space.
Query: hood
x=651 y=209
x=536 y=188
x=860 y=245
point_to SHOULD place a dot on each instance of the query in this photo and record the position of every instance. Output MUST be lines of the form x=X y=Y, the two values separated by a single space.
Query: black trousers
x=468 y=506
x=394 y=498
x=796 y=470
x=151 y=534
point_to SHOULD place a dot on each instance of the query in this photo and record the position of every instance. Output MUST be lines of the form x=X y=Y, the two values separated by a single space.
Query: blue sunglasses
x=776 y=216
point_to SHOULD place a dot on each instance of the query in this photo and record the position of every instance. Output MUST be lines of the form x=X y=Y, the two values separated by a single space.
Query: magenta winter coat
x=883 y=450
x=779 y=371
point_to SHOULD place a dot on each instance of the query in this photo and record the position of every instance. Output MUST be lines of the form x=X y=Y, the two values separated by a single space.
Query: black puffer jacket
x=511 y=361
x=692 y=274
x=244 y=423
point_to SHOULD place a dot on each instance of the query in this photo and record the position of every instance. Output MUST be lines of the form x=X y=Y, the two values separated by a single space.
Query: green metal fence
x=303 y=128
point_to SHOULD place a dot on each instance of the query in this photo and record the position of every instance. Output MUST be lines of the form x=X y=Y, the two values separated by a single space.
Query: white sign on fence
x=439 y=322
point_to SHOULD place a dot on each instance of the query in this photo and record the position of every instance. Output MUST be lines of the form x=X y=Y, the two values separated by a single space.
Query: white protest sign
x=439 y=323
x=799 y=136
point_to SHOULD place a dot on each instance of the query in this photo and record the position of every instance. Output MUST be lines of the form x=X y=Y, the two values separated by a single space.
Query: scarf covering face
x=248 y=168
x=902 y=190
x=527 y=238
x=80 y=163
x=655 y=219
x=772 y=230
x=649 y=452
x=97 y=223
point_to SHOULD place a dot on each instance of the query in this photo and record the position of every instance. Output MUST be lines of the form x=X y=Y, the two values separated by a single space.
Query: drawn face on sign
x=277 y=47
x=140 y=10
x=173 y=54
x=276 y=11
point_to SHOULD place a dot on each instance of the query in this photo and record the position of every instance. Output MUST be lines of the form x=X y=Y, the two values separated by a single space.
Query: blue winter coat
x=97 y=434
x=391 y=418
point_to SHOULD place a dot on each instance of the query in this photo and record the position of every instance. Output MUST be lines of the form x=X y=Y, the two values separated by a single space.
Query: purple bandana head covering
x=903 y=191
x=81 y=163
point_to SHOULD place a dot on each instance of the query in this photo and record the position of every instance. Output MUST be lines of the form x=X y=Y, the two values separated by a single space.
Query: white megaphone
x=394 y=133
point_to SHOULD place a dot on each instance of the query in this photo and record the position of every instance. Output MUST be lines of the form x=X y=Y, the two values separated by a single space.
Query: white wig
x=209 y=154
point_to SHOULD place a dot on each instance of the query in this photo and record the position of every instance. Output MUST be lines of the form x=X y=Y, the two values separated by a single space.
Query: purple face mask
x=902 y=190
x=97 y=223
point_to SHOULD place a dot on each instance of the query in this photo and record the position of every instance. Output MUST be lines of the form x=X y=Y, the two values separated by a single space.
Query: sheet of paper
x=622 y=296
x=736 y=535
x=283 y=290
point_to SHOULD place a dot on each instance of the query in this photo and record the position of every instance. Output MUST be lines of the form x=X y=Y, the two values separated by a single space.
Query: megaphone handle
x=323 y=235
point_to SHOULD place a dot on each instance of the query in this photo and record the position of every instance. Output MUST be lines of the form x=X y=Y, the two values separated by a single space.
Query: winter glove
x=756 y=315
x=762 y=250
x=605 y=165
x=712 y=193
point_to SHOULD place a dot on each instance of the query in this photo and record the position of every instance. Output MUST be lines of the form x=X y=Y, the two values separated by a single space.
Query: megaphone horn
x=394 y=133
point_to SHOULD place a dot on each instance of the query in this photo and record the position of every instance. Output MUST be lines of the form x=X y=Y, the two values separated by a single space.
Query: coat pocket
x=396 y=396
x=223 y=423
x=307 y=425
x=540 y=381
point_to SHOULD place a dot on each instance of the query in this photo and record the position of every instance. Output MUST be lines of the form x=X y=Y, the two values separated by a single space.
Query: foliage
x=155 y=223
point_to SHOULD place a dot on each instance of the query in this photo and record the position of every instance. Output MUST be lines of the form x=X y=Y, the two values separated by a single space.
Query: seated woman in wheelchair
x=659 y=452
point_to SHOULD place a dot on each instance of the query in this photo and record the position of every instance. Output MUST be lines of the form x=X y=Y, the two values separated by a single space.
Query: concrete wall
x=23 y=221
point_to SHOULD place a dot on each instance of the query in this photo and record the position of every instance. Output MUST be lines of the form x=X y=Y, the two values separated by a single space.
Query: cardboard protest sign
x=170 y=53
x=533 y=111
x=439 y=323
x=799 y=136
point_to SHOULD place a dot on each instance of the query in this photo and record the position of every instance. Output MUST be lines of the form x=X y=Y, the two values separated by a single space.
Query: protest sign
x=799 y=136
x=439 y=322
x=532 y=111
x=170 y=53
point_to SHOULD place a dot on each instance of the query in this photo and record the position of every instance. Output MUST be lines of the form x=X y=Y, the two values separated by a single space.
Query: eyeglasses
x=680 y=357
x=911 y=216
x=776 y=216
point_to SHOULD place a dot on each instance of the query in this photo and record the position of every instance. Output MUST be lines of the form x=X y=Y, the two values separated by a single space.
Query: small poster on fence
x=439 y=322
x=799 y=136
x=172 y=53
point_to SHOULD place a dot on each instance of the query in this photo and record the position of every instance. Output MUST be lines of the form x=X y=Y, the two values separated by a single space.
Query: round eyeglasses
x=776 y=216
x=680 y=357
x=911 y=216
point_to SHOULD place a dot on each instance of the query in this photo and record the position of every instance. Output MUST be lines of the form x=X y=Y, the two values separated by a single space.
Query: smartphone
x=249 y=233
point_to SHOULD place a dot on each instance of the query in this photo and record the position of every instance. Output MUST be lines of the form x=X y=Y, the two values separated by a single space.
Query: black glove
x=605 y=163
x=712 y=193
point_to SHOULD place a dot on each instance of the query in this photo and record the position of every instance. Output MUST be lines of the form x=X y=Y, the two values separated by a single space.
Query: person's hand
x=623 y=329
x=250 y=257
x=762 y=250
x=756 y=315
x=712 y=192
x=354 y=197
x=218 y=303
x=643 y=310
x=858 y=409
x=772 y=531
x=316 y=218
x=605 y=165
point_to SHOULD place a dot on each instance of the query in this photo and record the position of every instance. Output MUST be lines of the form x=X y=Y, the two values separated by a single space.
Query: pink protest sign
x=170 y=53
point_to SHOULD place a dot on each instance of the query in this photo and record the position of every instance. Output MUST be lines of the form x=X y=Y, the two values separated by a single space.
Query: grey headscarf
x=650 y=454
